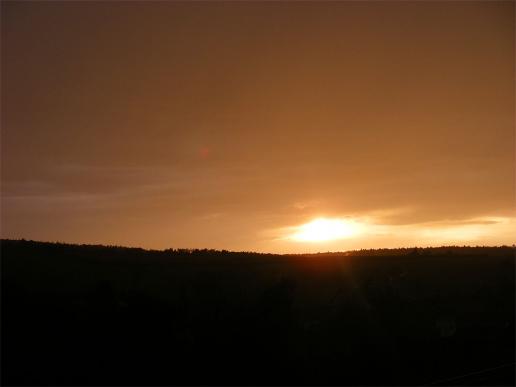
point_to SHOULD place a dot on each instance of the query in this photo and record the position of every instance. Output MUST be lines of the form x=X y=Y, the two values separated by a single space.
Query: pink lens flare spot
x=204 y=152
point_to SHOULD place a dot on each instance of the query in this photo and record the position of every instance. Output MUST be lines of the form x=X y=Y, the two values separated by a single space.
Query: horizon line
x=196 y=249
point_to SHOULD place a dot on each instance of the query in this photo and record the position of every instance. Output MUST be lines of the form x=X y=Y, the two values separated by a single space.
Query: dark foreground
x=93 y=315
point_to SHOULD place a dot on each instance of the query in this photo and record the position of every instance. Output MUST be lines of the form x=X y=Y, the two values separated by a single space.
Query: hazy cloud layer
x=220 y=124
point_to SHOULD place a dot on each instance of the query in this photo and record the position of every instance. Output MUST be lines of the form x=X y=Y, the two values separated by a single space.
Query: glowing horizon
x=325 y=229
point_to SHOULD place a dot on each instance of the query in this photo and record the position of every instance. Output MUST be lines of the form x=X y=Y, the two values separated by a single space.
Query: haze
x=229 y=125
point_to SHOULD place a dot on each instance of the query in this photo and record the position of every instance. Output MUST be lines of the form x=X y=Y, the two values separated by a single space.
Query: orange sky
x=227 y=125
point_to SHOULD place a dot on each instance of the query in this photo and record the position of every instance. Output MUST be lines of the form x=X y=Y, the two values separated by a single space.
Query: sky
x=229 y=125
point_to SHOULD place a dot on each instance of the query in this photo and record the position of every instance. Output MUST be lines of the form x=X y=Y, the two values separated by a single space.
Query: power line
x=470 y=374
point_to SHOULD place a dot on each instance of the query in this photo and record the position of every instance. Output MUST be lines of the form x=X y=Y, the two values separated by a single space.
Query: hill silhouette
x=109 y=315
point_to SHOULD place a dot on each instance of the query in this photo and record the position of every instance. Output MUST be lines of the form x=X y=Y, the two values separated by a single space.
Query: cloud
x=374 y=233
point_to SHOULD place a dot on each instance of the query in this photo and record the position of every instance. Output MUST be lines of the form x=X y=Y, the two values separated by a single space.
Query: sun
x=324 y=229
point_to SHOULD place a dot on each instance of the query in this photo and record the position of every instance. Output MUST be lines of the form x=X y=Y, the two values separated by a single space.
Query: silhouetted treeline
x=108 y=315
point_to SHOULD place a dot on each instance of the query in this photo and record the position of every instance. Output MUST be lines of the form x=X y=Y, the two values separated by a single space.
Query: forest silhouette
x=109 y=315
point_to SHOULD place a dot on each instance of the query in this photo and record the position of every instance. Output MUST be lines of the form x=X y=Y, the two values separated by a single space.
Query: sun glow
x=323 y=229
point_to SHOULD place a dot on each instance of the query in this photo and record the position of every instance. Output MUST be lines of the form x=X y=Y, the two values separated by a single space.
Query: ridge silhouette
x=98 y=315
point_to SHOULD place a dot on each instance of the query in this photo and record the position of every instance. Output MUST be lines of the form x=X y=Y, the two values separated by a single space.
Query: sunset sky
x=230 y=125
